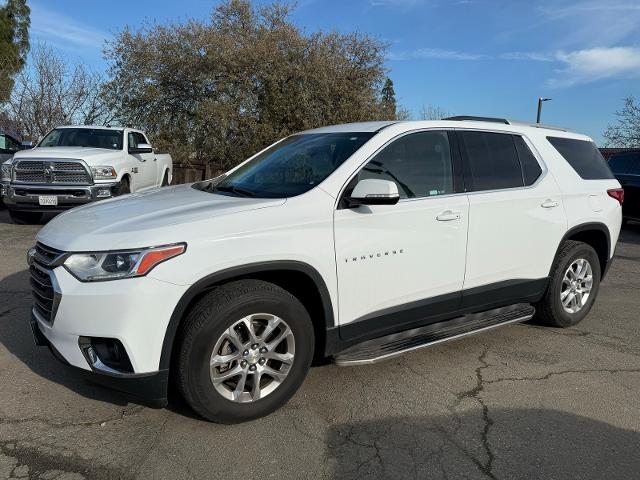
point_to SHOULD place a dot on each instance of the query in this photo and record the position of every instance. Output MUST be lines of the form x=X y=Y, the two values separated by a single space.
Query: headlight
x=104 y=173
x=5 y=175
x=99 y=266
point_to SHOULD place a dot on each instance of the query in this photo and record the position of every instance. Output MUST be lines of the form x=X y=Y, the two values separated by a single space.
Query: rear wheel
x=574 y=284
x=25 y=218
x=244 y=349
x=165 y=179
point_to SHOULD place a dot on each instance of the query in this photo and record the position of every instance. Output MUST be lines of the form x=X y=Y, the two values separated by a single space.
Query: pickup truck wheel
x=244 y=349
x=123 y=188
x=165 y=179
x=25 y=218
x=574 y=283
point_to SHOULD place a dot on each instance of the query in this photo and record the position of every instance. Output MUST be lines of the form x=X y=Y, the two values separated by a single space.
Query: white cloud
x=435 y=53
x=576 y=67
x=583 y=66
x=532 y=56
x=592 y=23
x=64 y=32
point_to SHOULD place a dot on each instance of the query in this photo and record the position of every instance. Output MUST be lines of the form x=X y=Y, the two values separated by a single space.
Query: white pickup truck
x=74 y=165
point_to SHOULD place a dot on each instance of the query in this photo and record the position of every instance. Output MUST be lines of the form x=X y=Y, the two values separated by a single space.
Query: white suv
x=353 y=242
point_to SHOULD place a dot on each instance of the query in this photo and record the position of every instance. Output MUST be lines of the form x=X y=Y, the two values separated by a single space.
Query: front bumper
x=148 y=388
x=26 y=196
x=133 y=312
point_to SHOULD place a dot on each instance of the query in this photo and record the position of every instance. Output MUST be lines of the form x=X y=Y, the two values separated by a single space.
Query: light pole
x=540 y=100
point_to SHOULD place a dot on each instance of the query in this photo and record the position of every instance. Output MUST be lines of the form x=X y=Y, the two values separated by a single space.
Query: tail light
x=617 y=193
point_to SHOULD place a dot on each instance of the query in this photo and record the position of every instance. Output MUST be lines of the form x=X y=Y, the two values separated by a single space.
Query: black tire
x=549 y=310
x=204 y=325
x=123 y=188
x=165 y=179
x=25 y=218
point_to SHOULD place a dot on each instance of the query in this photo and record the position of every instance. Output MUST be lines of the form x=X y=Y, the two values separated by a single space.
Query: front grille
x=46 y=256
x=51 y=172
x=42 y=290
x=46 y=300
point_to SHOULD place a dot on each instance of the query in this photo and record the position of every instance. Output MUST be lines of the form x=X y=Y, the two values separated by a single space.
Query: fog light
x=92 y=355
x=104 y=192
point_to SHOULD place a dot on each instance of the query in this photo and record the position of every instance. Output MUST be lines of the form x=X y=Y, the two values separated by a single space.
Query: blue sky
x=476 y=57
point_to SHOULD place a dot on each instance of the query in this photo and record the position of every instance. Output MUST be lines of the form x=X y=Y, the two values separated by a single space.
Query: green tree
x=219 y=90
x=625 y=132
x=14 y=43
x=389 y=100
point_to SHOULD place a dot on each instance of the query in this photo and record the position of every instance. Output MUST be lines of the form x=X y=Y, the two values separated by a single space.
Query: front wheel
x=243 y=350
x=574 y=283
x=123 y=187
x=25 y=218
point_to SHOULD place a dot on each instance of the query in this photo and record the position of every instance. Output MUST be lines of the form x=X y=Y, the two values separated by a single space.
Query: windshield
x=83 y=137
x=292 y=166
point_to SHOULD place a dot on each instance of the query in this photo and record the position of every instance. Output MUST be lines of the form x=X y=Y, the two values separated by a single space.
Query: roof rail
x=540 y=125
x=478 y=119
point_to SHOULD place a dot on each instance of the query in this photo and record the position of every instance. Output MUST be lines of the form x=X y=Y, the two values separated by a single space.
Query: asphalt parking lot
x=518 y=402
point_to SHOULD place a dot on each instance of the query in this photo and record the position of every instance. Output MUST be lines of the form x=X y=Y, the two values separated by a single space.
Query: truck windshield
x=290 y=167
x=83 y=137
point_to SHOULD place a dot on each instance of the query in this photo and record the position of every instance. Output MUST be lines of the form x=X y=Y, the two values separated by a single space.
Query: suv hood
x=157 y=217
x=81 y=153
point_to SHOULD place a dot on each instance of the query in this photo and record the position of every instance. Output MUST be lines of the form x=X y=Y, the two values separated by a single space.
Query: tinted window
x=583 y=156
x=625 y=163
x=531 y=169
x=83 y=137
x=140 y=138
x=292 y=166
x=419 y=164
x=8 y=144
x=492 y=161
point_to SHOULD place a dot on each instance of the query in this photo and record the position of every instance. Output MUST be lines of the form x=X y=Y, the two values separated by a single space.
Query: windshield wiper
x=233 y=189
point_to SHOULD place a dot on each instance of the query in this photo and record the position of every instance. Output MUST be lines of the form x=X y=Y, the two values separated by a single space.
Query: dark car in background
x=626 y=168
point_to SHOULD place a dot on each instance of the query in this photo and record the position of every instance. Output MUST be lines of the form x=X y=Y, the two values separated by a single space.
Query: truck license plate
x=48 y=200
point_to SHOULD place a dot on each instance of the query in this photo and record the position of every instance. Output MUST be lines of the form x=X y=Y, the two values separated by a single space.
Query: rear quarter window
x=583 y=156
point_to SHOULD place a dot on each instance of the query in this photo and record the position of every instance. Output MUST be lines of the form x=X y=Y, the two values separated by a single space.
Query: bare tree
x=433 y=112
x=625 y=132
x=51 y=93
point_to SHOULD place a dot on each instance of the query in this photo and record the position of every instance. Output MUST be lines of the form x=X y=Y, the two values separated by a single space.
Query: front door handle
x=449 y=215
x=548 y=203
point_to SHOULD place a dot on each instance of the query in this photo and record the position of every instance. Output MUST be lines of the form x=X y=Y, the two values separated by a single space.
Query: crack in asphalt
x=41 y=463
x=474 y=393
x=564 y=372
x=55 y=424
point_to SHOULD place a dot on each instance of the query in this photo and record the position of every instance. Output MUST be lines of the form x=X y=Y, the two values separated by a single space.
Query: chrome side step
x=389 y=346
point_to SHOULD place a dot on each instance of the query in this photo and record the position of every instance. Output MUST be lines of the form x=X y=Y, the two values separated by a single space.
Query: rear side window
x=625 y=163
x=492 y=161
x=583 y=156
x=530 y=167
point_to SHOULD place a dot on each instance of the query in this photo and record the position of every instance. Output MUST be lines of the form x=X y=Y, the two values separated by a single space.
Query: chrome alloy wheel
x=252 y=357
x=577 y=284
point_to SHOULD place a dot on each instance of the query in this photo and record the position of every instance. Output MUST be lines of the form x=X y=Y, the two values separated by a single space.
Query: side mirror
x=141 y=148
x=374 y=192
x=26 y=145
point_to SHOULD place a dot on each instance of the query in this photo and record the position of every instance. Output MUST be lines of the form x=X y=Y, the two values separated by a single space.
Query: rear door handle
x=548 y=203
x=449 y=215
